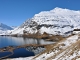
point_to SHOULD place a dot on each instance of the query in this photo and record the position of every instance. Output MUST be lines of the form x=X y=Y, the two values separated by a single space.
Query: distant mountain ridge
x=4 y=29
x=58 y=21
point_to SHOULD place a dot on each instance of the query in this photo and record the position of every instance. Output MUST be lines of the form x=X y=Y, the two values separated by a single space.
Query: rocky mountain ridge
x=58 y=21
x=4 y=29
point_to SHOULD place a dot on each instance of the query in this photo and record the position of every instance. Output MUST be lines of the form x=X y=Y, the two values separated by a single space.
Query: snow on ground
x=76 y=53
x=70 y=40
x=78 y=59
x=67 y=43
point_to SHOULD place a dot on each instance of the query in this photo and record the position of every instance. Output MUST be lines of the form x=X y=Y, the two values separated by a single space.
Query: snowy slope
x=57 y=21
x=4 y=29
x=63 y=51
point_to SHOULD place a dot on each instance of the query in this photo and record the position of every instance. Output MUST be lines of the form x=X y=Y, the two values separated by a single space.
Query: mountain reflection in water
x=17 y=41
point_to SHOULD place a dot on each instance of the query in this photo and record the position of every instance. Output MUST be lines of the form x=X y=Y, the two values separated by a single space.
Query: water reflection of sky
x=16 y=41
x=3 y=54
x=21 y=52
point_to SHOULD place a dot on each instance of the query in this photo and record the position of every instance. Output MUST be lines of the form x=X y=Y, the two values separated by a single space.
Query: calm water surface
x=17 y=41
x=21 y=52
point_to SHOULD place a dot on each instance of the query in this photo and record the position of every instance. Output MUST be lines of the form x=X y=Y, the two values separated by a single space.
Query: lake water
x=21 y=52
x=17 y=41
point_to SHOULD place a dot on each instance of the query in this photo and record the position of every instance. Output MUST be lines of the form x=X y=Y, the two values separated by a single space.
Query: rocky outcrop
x=54 y=22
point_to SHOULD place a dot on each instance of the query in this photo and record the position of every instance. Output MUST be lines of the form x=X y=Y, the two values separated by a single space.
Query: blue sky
x=15 y=12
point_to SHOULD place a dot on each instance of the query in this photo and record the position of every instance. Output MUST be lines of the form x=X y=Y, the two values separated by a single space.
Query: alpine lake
x=14 y=47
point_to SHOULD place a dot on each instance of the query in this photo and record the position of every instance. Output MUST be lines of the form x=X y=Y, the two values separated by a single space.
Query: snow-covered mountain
x=58 y=21
x=4 y=29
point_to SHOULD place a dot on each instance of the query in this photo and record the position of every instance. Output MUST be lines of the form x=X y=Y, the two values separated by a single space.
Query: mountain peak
x=4 y=27
x=57 y=21
x=57 y=8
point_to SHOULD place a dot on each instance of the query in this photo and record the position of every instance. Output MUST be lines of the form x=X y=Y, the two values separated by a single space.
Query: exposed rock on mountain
x=54 y=22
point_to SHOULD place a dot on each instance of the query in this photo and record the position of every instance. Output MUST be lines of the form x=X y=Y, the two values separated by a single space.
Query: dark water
x=16 y=41
x=21 y=52
x=2 y=54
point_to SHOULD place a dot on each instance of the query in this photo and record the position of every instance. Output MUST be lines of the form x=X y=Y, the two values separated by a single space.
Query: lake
x=21 y=52
x=17 y=41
